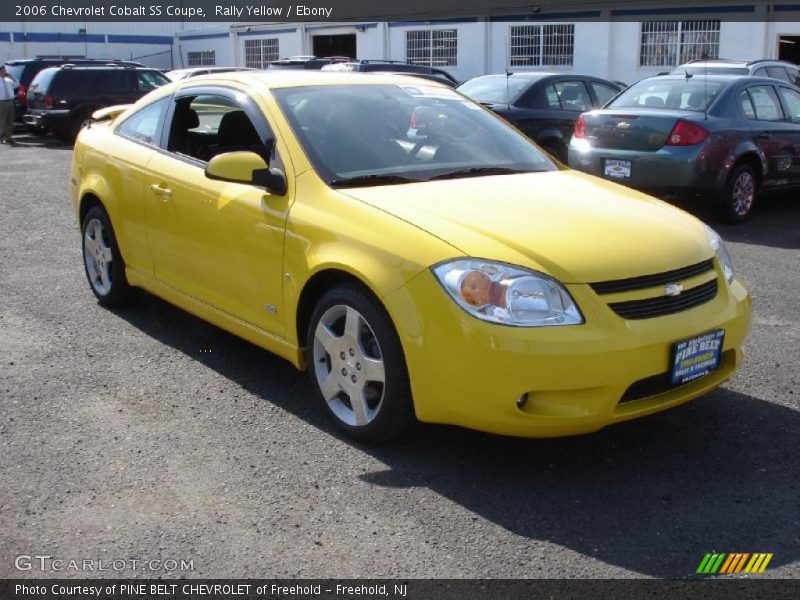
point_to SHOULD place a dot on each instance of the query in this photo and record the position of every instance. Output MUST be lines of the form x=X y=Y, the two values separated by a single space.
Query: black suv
x=62 y=98
x=390 y=66
x=24 y=70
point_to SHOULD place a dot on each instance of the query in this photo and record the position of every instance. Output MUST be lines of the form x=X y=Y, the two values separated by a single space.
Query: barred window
x=542 y=45
x=671 y=43
x=203 y=58
x=432 y=47
x=259 y=53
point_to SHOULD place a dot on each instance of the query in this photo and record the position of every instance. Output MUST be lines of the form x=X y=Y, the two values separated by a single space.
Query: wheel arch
x=321 y=281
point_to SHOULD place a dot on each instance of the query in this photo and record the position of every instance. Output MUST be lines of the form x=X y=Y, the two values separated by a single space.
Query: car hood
x=575 y=227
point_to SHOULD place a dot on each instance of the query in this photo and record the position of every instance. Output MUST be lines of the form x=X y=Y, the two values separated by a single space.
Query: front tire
x=357 y=367
x=739 y=195
x=102 y=260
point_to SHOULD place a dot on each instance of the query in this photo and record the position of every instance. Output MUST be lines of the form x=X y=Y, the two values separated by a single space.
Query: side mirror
x=247 y=168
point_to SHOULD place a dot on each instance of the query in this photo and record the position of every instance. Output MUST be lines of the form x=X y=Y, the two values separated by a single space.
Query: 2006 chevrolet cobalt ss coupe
x=419 y=256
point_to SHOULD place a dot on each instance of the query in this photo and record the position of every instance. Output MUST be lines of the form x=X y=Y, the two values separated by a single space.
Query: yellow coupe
x=415 y=253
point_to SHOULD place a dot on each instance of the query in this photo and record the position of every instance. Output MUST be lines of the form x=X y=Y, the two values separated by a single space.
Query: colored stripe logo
x=735 y=562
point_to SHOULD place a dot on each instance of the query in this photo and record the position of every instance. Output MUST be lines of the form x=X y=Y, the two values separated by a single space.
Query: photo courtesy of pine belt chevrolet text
x=419 y=256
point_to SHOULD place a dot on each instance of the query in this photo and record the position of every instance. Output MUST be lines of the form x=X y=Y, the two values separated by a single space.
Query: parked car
x=722 y=137
x=463 y=278
x=764 y=67
x=62 y=98
x=391 y=66
x=24 y=70
x=178 y=74
x=544 y=106
x=307 y=62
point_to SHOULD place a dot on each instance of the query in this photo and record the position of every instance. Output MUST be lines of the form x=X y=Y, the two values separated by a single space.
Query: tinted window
x=496 y=89
x=778 y=73
x=143 y=124
x=603 y=92
x=762 y=72
x=747 y=105
x=551 y=97
x=691 y=94
x=15 y=70
x=41 y=83
x=573 y=96
x=765 y=102
x=791 y=100
x=147 y=81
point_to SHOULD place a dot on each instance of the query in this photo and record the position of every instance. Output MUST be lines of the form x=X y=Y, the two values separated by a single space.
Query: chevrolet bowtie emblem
x=673 y=289
x=623 y=125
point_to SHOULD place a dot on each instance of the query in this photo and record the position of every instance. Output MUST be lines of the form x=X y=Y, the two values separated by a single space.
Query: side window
x=206 y=125
x=603 y=92
x=147 y=81
x=791 y=100
x=747 y=105
x=762 y=72
x=765 y=102
x=551 y=98
x=778 y=73
x=143 y=124
x=573 y=96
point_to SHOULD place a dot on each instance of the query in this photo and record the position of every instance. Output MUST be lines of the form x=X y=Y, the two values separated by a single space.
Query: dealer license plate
x=618 y=169
x=696 y=357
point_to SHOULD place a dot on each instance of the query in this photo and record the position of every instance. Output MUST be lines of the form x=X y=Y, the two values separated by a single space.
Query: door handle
x=161 y=192
x=763 y=136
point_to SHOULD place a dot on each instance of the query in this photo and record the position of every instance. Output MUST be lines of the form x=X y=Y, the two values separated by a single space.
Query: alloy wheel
x=743 y=193
x=98 y=257
x=348 y=365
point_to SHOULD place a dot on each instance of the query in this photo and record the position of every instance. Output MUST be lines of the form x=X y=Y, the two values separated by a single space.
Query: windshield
x=695 y=94
x=495 y=89
x=381 y=134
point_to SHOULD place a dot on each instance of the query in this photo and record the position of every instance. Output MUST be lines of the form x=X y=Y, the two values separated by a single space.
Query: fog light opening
x=522 y=400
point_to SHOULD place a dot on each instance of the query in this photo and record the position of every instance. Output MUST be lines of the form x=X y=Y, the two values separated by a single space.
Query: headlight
x=500 y=293
x=722 y=253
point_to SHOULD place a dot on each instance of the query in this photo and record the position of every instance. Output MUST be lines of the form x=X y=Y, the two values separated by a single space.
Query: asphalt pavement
x=145 y=434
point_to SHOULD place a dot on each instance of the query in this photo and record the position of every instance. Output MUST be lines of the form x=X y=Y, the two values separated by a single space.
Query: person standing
x=6 y=106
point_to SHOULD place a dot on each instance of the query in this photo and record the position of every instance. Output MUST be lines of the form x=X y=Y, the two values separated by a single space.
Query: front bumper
x=471 y=373
x=686 y=170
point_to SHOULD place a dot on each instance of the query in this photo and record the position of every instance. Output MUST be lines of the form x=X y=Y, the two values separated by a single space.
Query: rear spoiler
x=110 y=112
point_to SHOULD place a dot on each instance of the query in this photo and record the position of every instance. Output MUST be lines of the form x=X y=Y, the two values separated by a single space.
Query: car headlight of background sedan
x=501 y=293
x=722 y=253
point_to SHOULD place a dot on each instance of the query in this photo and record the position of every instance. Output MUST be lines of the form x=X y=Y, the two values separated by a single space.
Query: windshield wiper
x=374 y=179
x=478 y=171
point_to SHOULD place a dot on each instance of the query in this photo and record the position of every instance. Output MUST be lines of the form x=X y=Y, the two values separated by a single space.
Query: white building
x=625 y=45
x=148 y=43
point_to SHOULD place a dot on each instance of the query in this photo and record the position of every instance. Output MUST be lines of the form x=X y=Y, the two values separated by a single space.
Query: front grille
x=666 y=305
x=645 y=388
x=648 y=281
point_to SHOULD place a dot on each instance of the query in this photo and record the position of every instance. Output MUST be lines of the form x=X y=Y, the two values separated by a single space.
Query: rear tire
x=102 y=260
x=739 y=195
x=555 y=150
x=357 y=367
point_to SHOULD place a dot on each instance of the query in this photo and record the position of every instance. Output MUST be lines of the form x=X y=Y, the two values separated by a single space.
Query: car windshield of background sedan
x=384 y=134
x=682 y=94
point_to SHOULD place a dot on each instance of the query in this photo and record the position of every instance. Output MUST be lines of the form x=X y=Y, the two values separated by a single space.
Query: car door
x=219 y=242
x=135 y=143
x=790 y=98
x=772 y=133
